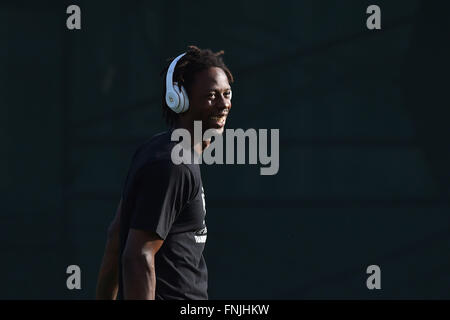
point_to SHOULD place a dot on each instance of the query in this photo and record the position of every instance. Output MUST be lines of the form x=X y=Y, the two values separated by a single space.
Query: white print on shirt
x=200 y=235
x=204 y=203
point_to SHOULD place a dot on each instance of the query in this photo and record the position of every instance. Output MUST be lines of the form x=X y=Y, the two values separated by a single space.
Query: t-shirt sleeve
x=162 y=189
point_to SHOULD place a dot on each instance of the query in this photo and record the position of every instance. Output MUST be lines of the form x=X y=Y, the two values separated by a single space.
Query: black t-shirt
x=167 y=199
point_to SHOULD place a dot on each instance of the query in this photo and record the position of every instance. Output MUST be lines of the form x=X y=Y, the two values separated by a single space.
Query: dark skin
x=107 y=283
x=209 y=102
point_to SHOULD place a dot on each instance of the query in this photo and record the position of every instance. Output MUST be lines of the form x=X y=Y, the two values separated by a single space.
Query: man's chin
x=215 y=128
x=217 y=131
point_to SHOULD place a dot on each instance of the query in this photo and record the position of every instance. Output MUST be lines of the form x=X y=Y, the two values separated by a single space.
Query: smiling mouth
x=219 y=120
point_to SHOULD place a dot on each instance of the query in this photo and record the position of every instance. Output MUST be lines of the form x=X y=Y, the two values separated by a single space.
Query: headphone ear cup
x=180 y=106
x=186 y=99
x=172 y=99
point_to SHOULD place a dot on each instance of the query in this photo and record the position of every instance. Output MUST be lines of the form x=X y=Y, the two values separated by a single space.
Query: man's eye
x=228 y=93
x=211 y=96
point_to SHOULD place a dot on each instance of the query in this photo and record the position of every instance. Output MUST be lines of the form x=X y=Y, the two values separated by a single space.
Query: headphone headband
x=169 y=77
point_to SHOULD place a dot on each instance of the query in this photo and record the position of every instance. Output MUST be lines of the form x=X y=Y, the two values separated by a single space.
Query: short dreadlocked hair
x=194 y=61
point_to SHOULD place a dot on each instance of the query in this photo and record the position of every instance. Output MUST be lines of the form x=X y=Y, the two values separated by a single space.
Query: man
x=155 y=243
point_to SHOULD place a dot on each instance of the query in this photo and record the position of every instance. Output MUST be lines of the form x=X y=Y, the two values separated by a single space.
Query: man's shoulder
x=154 y=156
x=156 y=148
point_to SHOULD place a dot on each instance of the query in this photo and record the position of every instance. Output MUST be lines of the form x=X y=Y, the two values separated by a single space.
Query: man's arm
x=108 y=278
x=139 y=279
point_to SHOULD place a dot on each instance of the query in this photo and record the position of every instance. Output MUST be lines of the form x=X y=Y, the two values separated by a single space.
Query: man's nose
x=224 y=103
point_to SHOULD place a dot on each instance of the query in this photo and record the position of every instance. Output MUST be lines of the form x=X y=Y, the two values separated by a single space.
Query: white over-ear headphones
x=176 y=96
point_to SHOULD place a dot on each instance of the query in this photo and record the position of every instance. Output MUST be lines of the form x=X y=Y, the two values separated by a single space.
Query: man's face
x=210 y=99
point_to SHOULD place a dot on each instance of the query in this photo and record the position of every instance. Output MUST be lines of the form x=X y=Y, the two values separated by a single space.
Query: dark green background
x=364 y=142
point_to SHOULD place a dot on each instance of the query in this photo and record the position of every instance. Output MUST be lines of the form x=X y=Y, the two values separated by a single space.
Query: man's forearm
x=139 y=279
x=108 y=278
